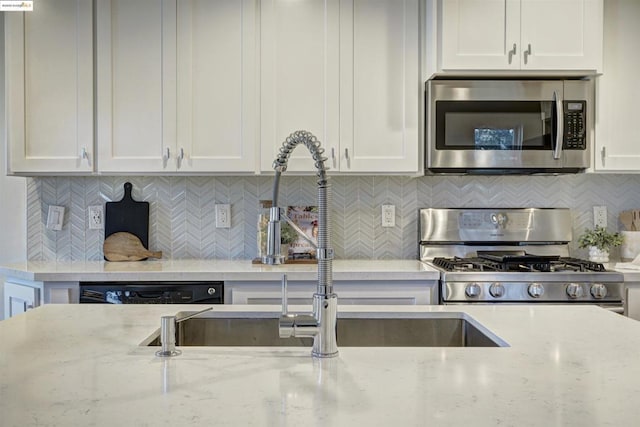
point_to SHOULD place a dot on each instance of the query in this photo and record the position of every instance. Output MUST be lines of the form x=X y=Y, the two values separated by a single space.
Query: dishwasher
x=160 y=292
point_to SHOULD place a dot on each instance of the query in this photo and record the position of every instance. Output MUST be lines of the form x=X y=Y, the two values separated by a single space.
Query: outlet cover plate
x=388 y=215
x=223 y=216
x=600 y=216
x=96 y=217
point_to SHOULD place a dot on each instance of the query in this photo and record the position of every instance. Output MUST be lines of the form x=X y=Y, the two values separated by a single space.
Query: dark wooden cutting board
x=129 y=216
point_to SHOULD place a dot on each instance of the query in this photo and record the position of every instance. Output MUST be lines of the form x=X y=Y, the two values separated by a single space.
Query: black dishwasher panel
x=152 y=292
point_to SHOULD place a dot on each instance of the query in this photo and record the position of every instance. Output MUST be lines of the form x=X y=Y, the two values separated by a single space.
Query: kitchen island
x=83 y=365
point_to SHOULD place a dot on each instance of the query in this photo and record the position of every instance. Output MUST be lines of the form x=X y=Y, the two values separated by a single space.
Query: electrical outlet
x=96 y=215
x=223 y=216
x=388 y=215
x=600 y=216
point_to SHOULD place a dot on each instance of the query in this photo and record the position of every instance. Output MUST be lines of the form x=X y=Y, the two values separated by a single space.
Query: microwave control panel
x=574 y=125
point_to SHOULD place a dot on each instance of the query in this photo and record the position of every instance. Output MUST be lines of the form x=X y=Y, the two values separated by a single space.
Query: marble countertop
x=196 y=269
x=82 y=365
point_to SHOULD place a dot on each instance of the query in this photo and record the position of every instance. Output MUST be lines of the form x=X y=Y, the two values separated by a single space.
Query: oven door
x=515 y=126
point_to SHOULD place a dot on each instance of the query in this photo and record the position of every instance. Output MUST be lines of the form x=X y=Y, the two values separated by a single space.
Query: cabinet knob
x=346 y=156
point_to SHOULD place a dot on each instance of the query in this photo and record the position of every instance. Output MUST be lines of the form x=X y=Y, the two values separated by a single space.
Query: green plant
x=287 y=234
x=600 y=238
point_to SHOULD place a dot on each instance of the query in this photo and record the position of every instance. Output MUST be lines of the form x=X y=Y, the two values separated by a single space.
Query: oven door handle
x=558 y=129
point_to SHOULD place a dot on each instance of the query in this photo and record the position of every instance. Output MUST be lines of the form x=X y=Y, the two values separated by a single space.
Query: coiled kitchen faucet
x=321 y=325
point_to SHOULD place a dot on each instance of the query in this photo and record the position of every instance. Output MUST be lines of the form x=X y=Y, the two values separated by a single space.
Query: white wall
x=13 y=234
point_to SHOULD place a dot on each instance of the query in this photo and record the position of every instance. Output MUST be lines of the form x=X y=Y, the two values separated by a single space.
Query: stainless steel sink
x=354 y=330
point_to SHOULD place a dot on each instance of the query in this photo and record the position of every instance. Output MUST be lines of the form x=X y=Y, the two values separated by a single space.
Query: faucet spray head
x=273 y=255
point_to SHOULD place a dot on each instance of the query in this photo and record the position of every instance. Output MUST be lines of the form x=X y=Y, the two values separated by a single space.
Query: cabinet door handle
x=333 y=156
x=603 y=155
x=527 y=53
x=167 y=154
x=512 y=52
x=180 y=158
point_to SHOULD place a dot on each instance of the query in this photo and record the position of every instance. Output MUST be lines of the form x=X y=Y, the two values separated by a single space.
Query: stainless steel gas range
x=512 y=256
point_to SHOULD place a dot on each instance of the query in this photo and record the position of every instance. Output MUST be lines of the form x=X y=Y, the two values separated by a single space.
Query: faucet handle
x=285 y=298
x=287 y=322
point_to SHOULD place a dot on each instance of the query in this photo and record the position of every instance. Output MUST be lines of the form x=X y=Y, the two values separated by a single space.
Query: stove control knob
x=599 y=291
x=472 y=290
x=574 y=290
x=496 y=290
x=535 y=290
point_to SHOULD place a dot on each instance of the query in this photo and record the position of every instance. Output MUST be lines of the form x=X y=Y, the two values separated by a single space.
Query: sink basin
x=354 y=330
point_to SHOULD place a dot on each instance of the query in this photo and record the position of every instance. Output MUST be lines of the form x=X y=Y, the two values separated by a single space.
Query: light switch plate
x=55 y=218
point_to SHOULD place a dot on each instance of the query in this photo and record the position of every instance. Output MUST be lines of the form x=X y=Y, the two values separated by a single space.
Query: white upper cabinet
x=380 y=86
x=49 y=88
x=348 y=72
x=176 y=86
x=531 y=35
x=299 y=76
x=135 y=82
x=217 y=85
x=617 y=131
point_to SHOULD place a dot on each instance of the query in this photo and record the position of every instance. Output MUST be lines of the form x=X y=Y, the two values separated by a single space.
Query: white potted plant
x=599 y=241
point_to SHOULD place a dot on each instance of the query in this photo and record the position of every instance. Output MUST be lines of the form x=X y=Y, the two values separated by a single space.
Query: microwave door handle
x=559 y=128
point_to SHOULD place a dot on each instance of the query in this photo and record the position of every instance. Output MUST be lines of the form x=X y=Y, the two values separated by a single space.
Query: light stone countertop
x=196 y=269
x=81 y=365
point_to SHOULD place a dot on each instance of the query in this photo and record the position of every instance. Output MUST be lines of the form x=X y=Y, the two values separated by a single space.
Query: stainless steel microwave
x=509 y=126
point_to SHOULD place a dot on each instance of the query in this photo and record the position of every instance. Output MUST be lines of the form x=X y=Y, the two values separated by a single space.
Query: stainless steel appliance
x=509 y=126
x=512 y=256
x=152 y=292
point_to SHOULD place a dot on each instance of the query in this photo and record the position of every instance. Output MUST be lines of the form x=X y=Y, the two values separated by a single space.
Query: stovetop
x=523 y=263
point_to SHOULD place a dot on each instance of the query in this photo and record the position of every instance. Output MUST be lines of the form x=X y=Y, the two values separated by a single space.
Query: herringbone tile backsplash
x=182 y=219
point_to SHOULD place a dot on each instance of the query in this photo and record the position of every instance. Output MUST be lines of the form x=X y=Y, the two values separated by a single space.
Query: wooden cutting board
x=128 y=215
x=123 y=246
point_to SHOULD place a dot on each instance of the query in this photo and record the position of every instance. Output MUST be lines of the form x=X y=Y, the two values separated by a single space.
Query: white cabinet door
x=177 y=86
x=480 y=34
x=136 y=85
x=617 y=131
x=49 y=88
x=561 y=34
x=380 y=86
x=532 y=35
x=348 y=72
x=217 y=87
x=299 y=75
x=19 y=298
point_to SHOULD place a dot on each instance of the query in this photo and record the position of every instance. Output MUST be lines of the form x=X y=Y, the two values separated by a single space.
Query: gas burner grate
x=583 y=265
x=483 y=264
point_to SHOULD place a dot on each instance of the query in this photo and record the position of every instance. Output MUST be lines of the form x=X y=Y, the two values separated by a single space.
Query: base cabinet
x=22 y=295
x=18 y=298
x=349 y=293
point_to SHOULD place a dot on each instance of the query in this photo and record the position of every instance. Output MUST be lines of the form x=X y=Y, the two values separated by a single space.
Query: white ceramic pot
x=630 y=245
x=598 y=255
